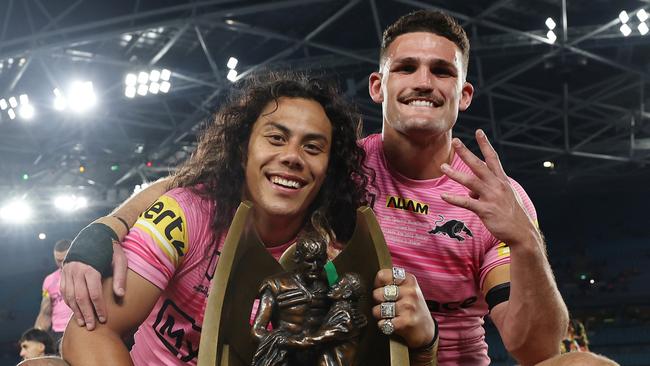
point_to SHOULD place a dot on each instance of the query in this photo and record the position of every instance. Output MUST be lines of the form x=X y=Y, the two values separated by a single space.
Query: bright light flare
x=232 y=75
x=165 y=74
x=232 y=62
x=623 y=17
x=626 y=30
x=42 y=236
x=81 y=96
x=643 y=29
x=26 y=111
x=550 y=23
x=165 y=86
x=130 y=79
x=70 y=203
x=17 y=211
x=642 y=15
x=551 y=36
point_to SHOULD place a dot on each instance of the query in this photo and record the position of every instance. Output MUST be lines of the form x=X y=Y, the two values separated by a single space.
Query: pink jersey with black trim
x=447 y=248
x=61 y=313
x=171 y=246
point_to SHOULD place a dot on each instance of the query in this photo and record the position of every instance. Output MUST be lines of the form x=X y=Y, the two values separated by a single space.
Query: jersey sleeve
x=158 y=243
x=45 y=292
x=497 y=252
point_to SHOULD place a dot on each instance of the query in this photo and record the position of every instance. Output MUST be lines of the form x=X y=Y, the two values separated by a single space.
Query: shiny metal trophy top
x=243 y=264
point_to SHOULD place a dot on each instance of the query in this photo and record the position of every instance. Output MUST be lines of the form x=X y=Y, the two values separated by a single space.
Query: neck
x=276 y=231
x=417 y=158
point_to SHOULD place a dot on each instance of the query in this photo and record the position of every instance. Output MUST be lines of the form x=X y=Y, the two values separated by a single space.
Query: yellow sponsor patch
x=46 y=294
x=165 y=223
x=503 y=250
x=407 y=204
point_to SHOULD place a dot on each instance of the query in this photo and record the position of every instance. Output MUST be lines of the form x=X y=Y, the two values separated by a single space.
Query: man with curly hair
x=286 y=143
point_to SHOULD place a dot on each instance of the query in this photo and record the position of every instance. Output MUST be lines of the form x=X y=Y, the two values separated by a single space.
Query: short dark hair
x=62 y=245
x=40 y=336
x=431 y=21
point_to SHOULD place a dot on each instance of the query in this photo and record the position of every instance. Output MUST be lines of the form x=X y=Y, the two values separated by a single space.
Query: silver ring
x=391 y=292
x=399 y=275
x=387 y=310
x=387 y=327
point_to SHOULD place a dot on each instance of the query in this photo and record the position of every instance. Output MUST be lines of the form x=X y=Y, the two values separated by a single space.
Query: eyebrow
x=286 y=130
x=414 y=60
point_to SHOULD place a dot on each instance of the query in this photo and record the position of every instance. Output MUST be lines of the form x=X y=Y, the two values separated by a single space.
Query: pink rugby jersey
x=171 y=246
x=447 y=248
x=61 y=313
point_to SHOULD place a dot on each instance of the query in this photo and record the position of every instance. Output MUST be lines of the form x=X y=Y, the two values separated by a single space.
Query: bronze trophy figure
x=295 y=303
x=245 y=263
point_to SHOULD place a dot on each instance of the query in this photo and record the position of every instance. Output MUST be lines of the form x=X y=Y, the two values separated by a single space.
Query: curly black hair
x=217 y=164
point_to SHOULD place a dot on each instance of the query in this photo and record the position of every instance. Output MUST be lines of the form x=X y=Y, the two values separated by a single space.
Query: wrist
x=427 y=354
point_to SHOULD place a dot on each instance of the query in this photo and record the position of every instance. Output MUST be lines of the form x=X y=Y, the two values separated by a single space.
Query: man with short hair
x=461 y=228
x=54 y=312
x=36 y=343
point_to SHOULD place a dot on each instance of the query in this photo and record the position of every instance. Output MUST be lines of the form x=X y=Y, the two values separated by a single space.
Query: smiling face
x=287 y=159
x=421 y=85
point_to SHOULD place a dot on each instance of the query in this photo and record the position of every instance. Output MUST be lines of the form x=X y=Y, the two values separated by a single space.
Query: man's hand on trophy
x=401 y=307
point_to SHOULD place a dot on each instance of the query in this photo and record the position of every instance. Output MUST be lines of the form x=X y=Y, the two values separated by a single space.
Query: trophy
x=338 y=329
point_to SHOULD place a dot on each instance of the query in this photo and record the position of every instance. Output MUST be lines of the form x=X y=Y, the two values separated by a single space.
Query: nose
x=423 y=80
x=292 y=156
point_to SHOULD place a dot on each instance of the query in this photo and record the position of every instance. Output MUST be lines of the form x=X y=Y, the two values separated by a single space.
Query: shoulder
x=51 y=278
x=371 y=143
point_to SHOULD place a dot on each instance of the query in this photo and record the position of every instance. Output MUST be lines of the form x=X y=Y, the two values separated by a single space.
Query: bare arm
x=263 y=317
x=104 y=345
x=44 y=318
x=535 y=318
x=81 y=283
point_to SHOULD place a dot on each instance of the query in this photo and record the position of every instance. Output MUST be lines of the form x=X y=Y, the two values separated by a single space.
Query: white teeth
x=420 y=103
x=285 y=182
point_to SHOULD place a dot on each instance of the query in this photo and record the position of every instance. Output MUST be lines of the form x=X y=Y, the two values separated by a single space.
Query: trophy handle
x=243 y=263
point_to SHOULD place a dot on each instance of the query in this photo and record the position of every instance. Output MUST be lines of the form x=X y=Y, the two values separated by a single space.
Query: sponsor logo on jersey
x=406 y=204
x=165 y=223
x=443 y=307
x=454 y=229
x=503 y=250
x=173 y=336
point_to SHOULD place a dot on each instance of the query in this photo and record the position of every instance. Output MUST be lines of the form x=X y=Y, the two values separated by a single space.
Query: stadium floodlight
x=16 y=211
x=232 y=75
x=551 y=36
x=232 y=62
x=69 y=203
x=60 y=102
x=129 y=92
x=623 y=17
x=165 y=86
x=643 y=28
x=130 y=79
x=24 y=99
x=26 y=111
x=13 y=102
x=42 y=236
x=550 y=23
x=165 y=74
x=143 y=89
x=154 y=88
x=3 y=104
x=154 y=75
x=11 y=113
x=626 y=30
x=642 y=15
x=143 y=77
x=81 y=96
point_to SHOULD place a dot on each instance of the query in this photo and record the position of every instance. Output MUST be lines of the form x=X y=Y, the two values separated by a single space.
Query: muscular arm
x=81 y=283
x=534 y=319
x=104 y=345
x=263 y=316
x=44 y=318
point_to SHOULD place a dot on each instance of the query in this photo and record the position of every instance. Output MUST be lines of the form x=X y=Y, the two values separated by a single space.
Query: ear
x=41 y=348
x=374 y=87
x=466 y=96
